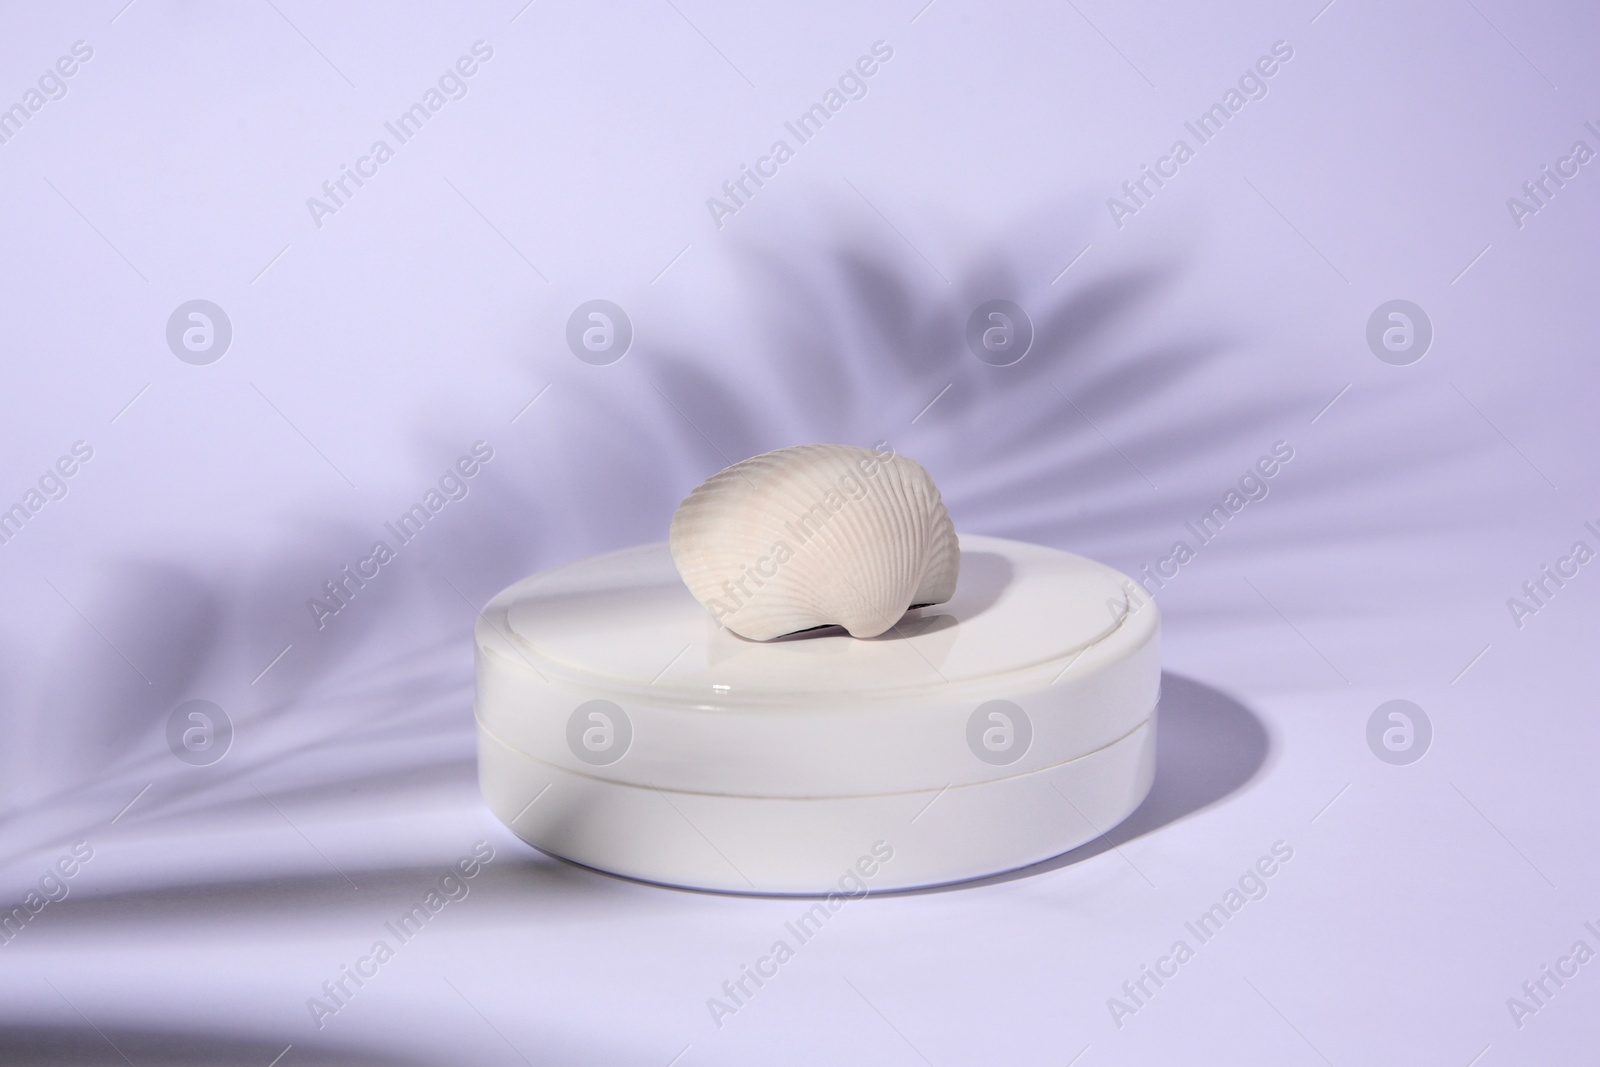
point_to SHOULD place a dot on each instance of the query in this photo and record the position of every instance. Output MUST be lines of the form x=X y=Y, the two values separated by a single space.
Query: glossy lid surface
x=626 y=621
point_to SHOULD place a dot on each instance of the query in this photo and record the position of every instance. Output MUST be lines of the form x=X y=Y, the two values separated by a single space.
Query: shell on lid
x=816 y=535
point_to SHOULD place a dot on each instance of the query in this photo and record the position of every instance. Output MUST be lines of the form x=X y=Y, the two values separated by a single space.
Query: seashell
x=816 y=535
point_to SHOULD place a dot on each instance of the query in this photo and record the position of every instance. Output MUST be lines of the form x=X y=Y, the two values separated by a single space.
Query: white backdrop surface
x=1428 y=912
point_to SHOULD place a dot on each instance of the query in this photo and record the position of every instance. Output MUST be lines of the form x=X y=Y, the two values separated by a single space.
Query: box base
x=816 y=846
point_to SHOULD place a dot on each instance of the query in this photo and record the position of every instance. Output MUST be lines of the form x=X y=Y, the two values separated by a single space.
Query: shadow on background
x=26 y=1045
x=502 y=890
x=111 y=1046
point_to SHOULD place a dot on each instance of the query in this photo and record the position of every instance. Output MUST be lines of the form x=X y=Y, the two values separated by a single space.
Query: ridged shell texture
x=816 y=535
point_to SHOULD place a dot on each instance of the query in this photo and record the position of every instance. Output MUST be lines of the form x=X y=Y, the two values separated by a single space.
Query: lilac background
x=1226 y=315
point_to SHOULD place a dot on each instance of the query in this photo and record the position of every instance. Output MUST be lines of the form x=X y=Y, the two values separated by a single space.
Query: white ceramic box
x=621 y=728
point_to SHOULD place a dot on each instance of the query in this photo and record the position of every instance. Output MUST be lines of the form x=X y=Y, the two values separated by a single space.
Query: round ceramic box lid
x=1041 y=656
